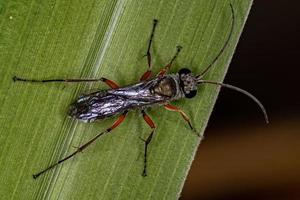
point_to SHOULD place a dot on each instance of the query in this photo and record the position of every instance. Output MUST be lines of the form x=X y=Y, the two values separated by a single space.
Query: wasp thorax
x=188 y=83
x=165 y=87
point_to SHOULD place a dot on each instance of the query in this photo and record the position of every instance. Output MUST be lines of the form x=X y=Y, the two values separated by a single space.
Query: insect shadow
x=149 y=91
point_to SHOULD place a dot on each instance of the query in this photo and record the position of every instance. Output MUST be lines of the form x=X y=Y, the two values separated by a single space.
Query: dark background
x=241 y=157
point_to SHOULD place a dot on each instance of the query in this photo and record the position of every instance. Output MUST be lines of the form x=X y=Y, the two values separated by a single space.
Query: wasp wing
x=97 y=105
x=106 y=103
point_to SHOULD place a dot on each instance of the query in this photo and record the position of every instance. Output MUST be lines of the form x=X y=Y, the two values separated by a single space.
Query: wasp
x=160 y=90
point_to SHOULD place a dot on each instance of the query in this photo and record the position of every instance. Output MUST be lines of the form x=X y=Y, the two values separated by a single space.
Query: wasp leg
x=168 y=66
x=184 y=116
x=147 y=74
x=149 y=121
x=84 y=146
x=110 y=83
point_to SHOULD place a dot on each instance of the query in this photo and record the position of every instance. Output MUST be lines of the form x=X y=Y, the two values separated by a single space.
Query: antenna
x=224 y=46
x=240 y=91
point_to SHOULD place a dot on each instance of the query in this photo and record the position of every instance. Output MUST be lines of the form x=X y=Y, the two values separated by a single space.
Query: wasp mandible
x=160 y=90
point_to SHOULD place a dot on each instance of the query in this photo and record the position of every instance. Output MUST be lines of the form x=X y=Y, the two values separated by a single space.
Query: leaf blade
x=91 y=42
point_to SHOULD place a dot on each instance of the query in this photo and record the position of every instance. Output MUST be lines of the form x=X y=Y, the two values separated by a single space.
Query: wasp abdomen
x=99 y=105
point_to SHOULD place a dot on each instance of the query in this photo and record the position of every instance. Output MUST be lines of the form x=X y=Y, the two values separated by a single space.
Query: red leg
x=184 y=116
x=149 y=121
x=147 y=74
x=84 y=146
x=168 y=66
x=110 y=83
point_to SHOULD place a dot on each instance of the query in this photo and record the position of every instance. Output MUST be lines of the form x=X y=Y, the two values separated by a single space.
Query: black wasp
x=160 y=90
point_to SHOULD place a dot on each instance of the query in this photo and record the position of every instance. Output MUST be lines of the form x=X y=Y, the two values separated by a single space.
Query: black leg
x=84 y=146
x=168 y=66
x=149 y=121
x=147 y=74
x=110 y=83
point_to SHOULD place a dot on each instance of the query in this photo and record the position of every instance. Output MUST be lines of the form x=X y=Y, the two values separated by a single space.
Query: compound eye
x=184 y=71
x=191 y=94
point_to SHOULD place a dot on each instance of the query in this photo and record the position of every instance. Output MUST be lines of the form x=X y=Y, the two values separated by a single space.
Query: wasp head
x=188 y=83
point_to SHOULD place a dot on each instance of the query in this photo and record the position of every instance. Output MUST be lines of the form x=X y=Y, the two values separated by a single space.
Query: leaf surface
x=99 y=38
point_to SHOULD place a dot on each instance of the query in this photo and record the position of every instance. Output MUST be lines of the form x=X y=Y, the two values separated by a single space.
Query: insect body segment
x=106 y=103
x=160 y=90
x=188 y=83
x=99 y=105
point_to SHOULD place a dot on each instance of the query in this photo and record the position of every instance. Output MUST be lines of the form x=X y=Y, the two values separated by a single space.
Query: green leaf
x=59 y=39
